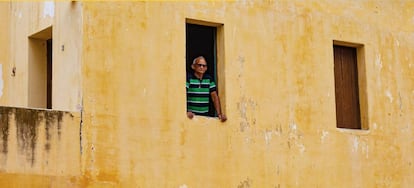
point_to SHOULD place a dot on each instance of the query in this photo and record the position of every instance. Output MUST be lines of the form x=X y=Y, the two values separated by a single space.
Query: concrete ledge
x=39 y=141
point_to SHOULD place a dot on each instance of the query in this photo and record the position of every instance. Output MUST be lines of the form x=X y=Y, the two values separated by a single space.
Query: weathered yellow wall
x=4 y=49
x=21 y=21
x=280 y=94
x=67 y=41
x=39 y=148
x=280 y=97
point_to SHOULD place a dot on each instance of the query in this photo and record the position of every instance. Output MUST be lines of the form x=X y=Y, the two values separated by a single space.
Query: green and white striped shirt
x=198 y=94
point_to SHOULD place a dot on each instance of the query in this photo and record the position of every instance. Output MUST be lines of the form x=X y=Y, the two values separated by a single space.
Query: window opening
x=49 y=74
x=346 y=87
x=201 y=41
x=40 y=69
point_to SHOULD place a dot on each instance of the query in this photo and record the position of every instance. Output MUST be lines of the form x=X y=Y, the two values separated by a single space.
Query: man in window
x=200 y=87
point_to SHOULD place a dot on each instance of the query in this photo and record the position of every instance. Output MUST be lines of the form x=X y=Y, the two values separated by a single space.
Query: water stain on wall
x=27 y=122
x=4 y=129
x=245 y=183
x=52 y=118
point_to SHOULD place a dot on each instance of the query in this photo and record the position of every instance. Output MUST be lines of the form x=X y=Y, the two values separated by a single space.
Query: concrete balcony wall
x=38 y=143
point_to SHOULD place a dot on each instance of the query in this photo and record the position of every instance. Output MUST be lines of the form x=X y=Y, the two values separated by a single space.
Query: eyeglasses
x=201 y=65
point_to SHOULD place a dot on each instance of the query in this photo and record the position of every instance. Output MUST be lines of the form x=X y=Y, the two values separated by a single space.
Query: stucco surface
x=39 y=147
x=279 y=95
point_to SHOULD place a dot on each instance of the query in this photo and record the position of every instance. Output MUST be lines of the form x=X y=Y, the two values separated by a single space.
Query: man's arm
x=216 y=102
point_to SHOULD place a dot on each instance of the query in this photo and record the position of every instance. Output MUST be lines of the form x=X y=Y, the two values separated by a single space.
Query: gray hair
x=198 y=59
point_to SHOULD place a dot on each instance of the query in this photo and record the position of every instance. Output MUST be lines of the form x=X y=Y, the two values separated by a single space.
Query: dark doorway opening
x=49 y=73
x=201 y=41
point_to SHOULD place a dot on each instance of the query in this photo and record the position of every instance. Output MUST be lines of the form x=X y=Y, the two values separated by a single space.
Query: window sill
x=354 y=131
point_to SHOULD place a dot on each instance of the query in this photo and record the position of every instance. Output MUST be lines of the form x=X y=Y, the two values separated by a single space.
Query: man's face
x=201 y=66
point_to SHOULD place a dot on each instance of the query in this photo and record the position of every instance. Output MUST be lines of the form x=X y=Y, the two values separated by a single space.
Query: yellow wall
x=67 y=54
x=4 y=49
x=39 y=148
x=279 y=95
x=24 y=20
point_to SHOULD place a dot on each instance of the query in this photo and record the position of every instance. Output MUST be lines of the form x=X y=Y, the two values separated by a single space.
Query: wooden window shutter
x=346 y=88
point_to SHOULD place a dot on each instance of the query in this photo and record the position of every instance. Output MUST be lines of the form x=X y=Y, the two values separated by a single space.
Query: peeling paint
x=279 y=130
x=243 y=107
x=295 y=137
x=302 y=148
x=406 y=128
x=49 y=9
x=389 y=95
x=365 y=149
x=293 y=127
x=374 y=126
x=268 y=136
x=378 y=61
x=324 y=135
x=249 y=140
x=244 y=124
x=355 y=144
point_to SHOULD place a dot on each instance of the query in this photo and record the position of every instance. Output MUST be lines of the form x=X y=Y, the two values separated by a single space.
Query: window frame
x=361 y=83
x=218 y=57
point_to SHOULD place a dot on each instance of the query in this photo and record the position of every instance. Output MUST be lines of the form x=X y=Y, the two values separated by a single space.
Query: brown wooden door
x=346 y=88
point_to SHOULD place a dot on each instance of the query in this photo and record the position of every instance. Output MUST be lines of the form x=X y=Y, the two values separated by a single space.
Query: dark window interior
x=49 y=73
x=201 y=41
x=346 y=87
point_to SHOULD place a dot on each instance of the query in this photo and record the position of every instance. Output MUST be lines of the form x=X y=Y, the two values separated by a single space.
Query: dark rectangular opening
x=49 y=73
x=346 y=87
x=201 y=41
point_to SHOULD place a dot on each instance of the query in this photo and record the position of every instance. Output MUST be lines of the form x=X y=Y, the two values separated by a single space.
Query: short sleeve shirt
x=198 y=93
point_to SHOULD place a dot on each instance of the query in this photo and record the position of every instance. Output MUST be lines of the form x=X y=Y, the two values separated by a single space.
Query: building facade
x=317 y=94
